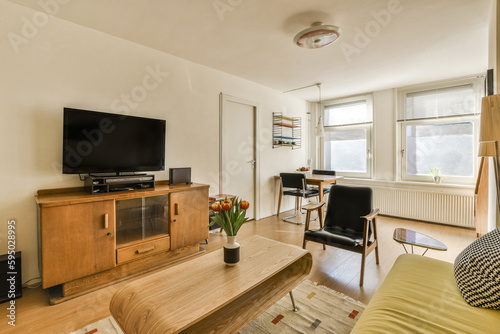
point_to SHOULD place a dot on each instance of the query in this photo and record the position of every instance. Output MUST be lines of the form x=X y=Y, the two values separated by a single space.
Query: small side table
x=413 y=238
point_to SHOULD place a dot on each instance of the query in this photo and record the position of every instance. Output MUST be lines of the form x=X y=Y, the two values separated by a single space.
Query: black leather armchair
x=350 y=222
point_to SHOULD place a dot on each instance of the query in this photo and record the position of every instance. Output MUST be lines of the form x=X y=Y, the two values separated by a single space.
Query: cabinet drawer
x=143 y=249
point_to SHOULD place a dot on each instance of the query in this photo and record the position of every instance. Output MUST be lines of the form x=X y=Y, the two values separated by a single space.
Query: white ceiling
x=421 y=40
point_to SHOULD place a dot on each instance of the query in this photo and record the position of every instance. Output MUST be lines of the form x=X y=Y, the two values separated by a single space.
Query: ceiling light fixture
x=317 y=36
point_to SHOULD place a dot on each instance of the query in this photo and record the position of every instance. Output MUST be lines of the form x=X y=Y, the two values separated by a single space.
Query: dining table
x=319 y=180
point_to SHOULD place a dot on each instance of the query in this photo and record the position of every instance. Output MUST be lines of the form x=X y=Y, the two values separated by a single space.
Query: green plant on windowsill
x=436 y=174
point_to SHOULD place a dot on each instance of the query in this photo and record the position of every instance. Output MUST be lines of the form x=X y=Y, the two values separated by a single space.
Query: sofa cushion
x=477 y=271
x=419 y=295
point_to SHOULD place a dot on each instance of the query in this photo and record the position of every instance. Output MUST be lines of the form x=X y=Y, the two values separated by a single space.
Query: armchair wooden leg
x=308 y=219
x=320 y=218
x=376 y=240
x=363 y=254
x=362 y=274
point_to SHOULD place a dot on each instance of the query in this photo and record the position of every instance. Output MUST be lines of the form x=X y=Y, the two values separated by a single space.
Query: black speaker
x=10 y=277
x=489 y=83
x=179 y=175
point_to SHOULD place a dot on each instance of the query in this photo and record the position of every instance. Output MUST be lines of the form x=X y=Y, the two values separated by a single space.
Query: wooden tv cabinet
x=90 y=241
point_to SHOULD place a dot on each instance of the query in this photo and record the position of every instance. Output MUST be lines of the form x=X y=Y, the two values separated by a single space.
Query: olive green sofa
x=420 y=295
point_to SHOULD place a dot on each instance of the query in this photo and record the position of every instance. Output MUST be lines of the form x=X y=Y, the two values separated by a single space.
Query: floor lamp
x=489 y=137
x=489 y=149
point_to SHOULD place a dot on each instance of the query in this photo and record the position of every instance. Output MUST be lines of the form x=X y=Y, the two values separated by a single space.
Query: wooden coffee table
x=413 y=238
x=204 y=294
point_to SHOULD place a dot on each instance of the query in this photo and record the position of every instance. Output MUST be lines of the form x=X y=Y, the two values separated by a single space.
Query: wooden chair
x=294 y=184
x=326 y=189
x=350 y=223
x=323 y=172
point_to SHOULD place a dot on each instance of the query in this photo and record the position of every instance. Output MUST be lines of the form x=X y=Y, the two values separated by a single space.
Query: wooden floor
x=335 y=268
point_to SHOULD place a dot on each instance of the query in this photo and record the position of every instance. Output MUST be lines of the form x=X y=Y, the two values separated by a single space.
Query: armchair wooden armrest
x=371 y=215
x=311 y=209
x=314 y=207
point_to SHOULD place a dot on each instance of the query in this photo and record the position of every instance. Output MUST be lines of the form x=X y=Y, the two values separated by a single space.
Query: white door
x=238 y=163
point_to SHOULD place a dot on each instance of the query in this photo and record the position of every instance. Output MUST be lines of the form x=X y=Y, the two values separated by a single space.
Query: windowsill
x=413 y=185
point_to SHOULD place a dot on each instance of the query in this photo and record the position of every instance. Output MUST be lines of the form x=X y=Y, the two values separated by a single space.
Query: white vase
x=437 y=179
x=231 y=251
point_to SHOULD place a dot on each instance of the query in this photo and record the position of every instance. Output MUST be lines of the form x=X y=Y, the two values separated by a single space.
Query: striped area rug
x=321 y=310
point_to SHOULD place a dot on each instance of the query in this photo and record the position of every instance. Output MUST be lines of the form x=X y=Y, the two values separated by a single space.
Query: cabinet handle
x=145 y=250
x=176 y=209
x=106 y=222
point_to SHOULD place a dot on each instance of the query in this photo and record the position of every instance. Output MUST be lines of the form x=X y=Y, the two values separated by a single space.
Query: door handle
x=106 y=221
x=252 y=162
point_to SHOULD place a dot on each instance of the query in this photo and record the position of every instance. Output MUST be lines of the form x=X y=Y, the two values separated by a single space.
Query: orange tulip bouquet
x=230 y=215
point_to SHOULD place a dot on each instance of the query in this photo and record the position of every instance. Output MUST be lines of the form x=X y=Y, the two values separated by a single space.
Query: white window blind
x=347 y=140
x=346 y=151
x=439 y=129
x=355 y=112
x=448 y=146
x=443 y=102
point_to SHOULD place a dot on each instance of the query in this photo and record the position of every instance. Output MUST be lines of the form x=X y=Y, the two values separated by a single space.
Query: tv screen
x=97 y=142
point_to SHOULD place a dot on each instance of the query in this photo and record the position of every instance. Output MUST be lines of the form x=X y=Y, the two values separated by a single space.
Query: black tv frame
x=91 y=138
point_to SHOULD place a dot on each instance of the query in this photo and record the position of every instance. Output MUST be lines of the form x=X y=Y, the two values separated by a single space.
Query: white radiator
x=452 y=209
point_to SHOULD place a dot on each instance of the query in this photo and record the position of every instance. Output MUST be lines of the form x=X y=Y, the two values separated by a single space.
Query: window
x=439 y=129
x=347 y=141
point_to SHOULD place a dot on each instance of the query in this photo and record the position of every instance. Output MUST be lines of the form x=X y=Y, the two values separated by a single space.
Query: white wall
x=493 y=44
x=384 y=135
x=48 y=64
x=493 y=63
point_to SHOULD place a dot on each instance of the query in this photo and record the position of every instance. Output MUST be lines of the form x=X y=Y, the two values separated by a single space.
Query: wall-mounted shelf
x=287 y=131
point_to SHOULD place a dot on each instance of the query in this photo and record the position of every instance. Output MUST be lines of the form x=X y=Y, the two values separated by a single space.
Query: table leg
x=320 y=188
x=279 y=201
x=295 y=309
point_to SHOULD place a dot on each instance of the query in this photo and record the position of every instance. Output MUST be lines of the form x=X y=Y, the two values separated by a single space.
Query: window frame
x=367 y=98
x=477 y=84
x=433 y=121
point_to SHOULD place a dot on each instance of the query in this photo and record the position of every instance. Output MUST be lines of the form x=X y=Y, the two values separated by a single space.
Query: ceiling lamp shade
x=317 y=36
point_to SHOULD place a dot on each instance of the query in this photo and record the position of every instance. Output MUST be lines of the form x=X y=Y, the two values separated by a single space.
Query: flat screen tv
x=97 y=142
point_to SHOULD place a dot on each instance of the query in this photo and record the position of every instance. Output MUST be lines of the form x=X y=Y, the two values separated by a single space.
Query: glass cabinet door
x=139 y=219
